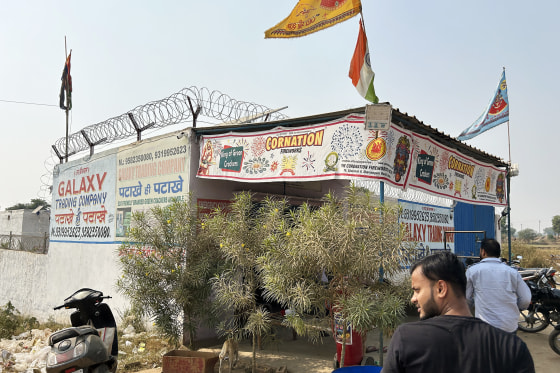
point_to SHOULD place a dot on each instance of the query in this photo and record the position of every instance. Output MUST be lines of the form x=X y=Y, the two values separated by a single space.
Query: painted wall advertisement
x=149 y=175
x=345 y=149
x=426 y=225
x=84 y=201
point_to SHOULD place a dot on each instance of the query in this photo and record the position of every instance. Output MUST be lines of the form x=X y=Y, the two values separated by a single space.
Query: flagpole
x=381 y=200
x=66 y=110
x=508 y=175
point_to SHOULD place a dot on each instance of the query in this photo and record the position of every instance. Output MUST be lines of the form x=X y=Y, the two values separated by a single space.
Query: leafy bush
x=12 y=323
x=8 y=320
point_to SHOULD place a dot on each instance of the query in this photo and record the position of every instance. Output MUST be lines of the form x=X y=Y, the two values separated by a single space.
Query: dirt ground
x=301 y=356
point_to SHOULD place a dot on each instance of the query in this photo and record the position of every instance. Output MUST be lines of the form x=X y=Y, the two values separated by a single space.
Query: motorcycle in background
x=545 y=302
x=91 y=344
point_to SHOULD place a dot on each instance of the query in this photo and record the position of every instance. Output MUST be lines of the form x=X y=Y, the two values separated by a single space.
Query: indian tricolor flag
x=360 y=69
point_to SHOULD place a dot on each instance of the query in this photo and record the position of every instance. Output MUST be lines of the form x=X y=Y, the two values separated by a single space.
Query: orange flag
x=310 y=16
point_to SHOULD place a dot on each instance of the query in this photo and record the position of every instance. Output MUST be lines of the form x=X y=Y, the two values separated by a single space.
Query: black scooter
x=91 y=344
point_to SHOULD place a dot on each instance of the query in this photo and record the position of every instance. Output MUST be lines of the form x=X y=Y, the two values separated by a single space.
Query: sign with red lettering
x=426 y=224
x=83 y=202
x=149 y=174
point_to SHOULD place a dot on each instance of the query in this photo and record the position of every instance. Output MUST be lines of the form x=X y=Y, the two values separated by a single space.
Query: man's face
x=423 y=295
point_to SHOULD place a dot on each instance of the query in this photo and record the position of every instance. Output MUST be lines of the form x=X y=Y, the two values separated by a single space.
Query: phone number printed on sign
x=79 y=232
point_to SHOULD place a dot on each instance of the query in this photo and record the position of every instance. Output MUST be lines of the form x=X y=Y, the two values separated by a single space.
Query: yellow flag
x=309 y=16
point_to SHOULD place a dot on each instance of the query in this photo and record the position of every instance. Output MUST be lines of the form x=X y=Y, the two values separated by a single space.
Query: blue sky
x=437 y=60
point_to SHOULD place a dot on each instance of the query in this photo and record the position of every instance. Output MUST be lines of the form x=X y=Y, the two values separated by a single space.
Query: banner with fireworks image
x=445 y=172
x=344 y=149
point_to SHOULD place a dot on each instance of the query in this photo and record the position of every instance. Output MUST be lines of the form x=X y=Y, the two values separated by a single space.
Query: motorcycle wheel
x=554 y=340
x=532 y=321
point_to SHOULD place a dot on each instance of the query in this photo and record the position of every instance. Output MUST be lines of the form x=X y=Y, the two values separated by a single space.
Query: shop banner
x=83 y=203
x=442 y=171
x=345 y=149
x=150 y=174
x=339 y=149
x=426 y=225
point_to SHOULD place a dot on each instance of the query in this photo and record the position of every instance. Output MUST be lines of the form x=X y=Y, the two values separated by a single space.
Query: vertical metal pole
x=66 y=156
x=508 y=178
x=65 y=57
x=382 y=200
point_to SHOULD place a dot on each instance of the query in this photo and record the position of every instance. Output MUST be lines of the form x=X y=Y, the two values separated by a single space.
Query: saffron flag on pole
x=309 y=16
x=66 y=86
x=496 y=113
x=360 y=68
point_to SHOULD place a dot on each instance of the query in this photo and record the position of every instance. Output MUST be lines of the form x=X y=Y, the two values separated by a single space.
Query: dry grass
x=536 y=255
x=141 y=352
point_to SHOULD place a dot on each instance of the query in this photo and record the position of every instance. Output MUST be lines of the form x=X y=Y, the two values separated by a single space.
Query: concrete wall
x=24 y=222
x=36 y=283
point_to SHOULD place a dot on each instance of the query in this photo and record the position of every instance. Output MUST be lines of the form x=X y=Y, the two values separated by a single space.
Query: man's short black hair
x=491 y=246
x=444 y=265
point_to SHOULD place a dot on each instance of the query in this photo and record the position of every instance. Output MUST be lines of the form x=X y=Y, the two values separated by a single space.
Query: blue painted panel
x=469 y=217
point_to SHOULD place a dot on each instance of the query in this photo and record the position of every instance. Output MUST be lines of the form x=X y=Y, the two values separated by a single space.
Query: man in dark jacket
x=448 y=338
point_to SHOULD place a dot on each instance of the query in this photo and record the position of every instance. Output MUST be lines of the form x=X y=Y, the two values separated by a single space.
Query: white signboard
x=378 y=117
x=426 y=225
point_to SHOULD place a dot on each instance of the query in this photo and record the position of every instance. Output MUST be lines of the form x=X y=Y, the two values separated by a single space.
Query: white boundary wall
x=36 y=283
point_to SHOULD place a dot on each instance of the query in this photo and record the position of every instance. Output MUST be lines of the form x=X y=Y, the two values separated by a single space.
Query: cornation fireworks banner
x=344 y=149
x=443 y=171
x=338 y=149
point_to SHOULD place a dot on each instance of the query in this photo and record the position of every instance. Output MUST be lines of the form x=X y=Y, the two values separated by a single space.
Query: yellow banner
x=310 y=16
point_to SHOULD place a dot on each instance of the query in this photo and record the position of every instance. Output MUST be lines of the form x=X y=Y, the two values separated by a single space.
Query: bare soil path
x=301 y=356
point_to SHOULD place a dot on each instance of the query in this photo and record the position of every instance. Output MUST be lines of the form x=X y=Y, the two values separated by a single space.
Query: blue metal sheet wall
x=469 y=217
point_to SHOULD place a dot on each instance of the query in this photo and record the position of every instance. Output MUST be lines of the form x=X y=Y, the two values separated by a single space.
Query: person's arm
x=523 y=294
x=470 y=288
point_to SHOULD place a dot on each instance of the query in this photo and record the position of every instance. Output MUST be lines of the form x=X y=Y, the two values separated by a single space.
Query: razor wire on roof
x=177 y=108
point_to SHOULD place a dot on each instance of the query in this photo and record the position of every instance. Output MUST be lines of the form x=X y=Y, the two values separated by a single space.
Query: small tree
x=242 y=235
x=167 y=264
x=504 y=229
x=549 y=233
x=556 y=224
x=527 y=234
x=35 y=202
x=349 y=241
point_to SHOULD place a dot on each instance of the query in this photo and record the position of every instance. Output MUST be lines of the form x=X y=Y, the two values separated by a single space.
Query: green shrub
x=9 y=320
x=13 y=323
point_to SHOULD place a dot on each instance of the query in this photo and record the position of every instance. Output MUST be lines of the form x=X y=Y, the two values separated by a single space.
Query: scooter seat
x=71 y=333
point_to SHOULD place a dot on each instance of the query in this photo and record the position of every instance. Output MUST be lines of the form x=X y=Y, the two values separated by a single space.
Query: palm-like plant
x=243 y=233
x=166 y=267
x=353 y=242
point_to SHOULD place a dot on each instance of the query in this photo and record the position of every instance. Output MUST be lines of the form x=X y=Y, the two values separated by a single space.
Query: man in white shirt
x=497 y=290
